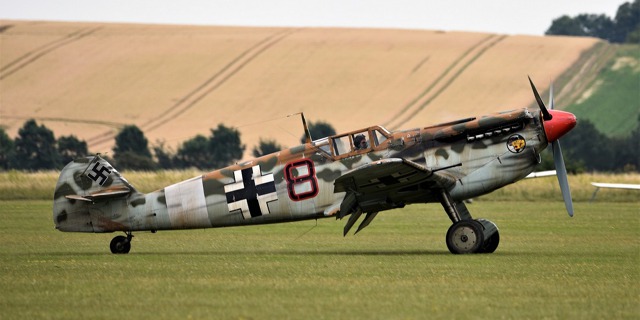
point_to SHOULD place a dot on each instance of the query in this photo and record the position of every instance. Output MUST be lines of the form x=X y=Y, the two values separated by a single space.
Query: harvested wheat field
x=90 y=79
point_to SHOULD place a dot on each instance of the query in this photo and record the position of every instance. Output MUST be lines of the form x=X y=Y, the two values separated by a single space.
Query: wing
x=387 y=184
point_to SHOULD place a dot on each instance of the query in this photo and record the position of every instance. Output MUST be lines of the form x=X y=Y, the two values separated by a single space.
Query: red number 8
x=301 y=180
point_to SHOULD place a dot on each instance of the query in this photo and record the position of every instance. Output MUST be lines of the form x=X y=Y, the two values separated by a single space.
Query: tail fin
x=91 y=179
x=82 y=183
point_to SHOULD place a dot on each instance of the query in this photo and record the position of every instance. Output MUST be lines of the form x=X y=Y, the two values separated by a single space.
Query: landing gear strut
x=121 y=244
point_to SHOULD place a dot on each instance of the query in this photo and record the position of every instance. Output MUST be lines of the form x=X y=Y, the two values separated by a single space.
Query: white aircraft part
x=186 y=204
x=541 y=174
x=599 y=185
x=616 y=185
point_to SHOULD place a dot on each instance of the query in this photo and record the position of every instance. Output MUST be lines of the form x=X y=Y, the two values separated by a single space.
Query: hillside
x=612 y=99
x=90 y=79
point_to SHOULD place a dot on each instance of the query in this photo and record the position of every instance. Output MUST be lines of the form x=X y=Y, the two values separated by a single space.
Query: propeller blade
x=562 y=176
x=545 y=113
x=551 y=96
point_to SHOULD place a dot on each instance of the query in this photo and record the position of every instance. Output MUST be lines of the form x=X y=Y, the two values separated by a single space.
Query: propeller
x=545 y=113
x=557 y=123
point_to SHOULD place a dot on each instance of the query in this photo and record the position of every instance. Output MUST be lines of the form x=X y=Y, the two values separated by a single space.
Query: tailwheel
x=465 y=236
x=121 y=244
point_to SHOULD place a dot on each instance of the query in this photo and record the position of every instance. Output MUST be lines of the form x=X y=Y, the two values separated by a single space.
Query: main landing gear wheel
x=465 y=236
x=121 y=244
x=490 y=245
x=491 y=236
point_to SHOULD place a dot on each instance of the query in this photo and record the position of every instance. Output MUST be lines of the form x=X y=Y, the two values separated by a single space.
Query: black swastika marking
x=99 y=173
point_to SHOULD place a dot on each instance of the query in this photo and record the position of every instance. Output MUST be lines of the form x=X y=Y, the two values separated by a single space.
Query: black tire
x=120 y=245
x=491 y=236
x=491 y=244
x=465 y=236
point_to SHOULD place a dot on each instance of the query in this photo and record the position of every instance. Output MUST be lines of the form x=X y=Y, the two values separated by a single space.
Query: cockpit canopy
x=354 y=142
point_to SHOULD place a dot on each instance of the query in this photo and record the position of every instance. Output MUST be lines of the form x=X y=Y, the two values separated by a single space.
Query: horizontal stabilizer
x=101 y=195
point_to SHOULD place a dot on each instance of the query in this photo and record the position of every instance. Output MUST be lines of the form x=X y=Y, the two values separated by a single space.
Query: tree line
x=36 y=148
x=624 y=28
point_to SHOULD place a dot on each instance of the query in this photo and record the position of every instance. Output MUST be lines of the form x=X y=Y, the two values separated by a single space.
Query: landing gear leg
x=121 y=244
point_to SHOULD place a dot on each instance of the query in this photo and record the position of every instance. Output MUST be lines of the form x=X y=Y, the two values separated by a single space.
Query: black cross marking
x=99 y=173
x=250 y=192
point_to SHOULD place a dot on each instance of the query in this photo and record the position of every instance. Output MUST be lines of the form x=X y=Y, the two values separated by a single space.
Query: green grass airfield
x=547 y=266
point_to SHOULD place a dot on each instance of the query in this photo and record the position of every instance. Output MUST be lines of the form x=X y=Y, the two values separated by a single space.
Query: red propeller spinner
x=561 y=122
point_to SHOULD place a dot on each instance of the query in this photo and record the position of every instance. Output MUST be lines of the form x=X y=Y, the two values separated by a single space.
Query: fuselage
x=481 y=154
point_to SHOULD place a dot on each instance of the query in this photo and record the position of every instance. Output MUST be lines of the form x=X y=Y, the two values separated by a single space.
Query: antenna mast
x=306 y=129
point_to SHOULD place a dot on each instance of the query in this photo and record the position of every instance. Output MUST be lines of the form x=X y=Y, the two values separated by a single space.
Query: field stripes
x=32 y=56
x=444 y=80
x=581 y=75
x=204 y=89
x=169 y=80
x=404 y=110
x=111 y=124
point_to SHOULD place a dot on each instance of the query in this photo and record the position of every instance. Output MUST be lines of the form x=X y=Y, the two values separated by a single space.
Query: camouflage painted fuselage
x=477 y=155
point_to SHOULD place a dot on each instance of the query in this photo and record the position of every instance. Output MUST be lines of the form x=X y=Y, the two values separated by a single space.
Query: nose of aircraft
x=560 y=123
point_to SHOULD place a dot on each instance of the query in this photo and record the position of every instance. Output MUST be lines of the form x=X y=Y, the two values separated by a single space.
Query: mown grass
x=16 y=185
x=547 y=266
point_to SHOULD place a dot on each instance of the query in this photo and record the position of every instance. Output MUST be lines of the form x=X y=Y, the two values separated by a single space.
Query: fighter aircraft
x=360 y=172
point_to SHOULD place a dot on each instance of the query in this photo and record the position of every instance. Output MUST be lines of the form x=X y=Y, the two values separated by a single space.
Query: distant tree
x=133 y=161
x=319 y=130
x=624 y=28
x=6 y=150
x=165 y=159
x=627 y=151
x=132 y=150
x=591 y=25
x=71 y=148
x=35 y=148
x=589 y=146
x=565 y=25
x=266 y=147
x=131 y=139
x=194 y=153
x=225 y=146
x=597 y=25
x=634 y=36
x=627 y=22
